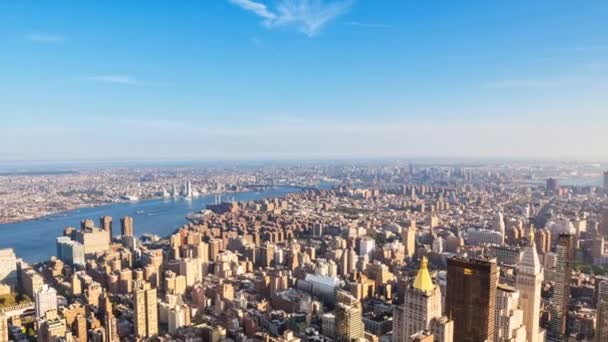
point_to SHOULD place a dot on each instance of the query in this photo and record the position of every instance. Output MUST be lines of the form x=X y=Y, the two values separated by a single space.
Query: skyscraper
x=409 y=239
x=528 y=282
x=601 y=331
x=146 y=312
x=421 y=305
x=499 y=223
x=561 y=290
x=604 y=220
x=349 y=317
x=110 y=324
x=606 y=181
x=105 y=222
x=552 y=185
x=46 y=300
x=126 y=226
x=470 y=298
x=3 y=328
x=509 y=321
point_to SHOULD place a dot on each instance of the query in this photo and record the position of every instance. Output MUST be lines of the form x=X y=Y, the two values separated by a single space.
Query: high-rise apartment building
x=509 y=318
x=110 y=324
x=561 y=289
x=146 y=312
x=70 y=251
x=601 y=330
x=471 y=298
x=367 y=246
x=421 y=306
x=46 y=300
x=93 y=239
x=105 y=222
x=528 y=282
x=349 y=317
x=126 y=226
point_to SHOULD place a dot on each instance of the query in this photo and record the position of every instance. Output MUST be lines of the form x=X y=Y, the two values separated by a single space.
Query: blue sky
x=247 y=79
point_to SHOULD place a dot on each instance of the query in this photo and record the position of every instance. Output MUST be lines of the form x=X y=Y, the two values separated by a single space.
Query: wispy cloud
x=526 y=83
x=368 y=25
x=119 y=79
x=125 y=80
x=308 y=16
x=258 y=8
x=45 y=37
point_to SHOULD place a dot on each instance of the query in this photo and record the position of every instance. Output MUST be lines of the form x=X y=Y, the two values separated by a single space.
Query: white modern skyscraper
x=46 y=300
x=367 y=246
x=509 y=321
x=528 y=282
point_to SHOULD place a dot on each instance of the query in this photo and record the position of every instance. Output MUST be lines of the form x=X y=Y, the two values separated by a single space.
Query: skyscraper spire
x=423 y=279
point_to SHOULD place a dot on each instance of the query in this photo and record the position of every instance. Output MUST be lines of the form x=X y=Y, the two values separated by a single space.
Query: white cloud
x=522 y=84
x=125 y=80
x=368 y=25
x=308 y=16
x=258 y=8
x=43 y=37
x=119 y=79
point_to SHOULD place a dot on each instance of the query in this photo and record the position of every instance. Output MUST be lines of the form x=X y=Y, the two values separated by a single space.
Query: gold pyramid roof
x=423 y=279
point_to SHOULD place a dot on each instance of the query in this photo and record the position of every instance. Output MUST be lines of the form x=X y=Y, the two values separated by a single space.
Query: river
x=34 y=240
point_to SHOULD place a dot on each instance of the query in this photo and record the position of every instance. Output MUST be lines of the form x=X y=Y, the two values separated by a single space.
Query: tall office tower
x=499 y=223
x=528 y=282
x=110 y=324
x=604 y=220
x=46 y=300
x=349 y=317
x=421 y=306
x=367 y=246
x=552 y=185
x=126 y=226
x=561 y=290
x=606 y=181
x=409 y=239
x=3 y=327
x=105 y=222
x=471 y=298
x=146 y=312
x=601 y=331
x=509 y=325
x=352 y=260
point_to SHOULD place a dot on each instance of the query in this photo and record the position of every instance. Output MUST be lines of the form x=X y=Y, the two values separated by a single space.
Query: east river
x=34 y=240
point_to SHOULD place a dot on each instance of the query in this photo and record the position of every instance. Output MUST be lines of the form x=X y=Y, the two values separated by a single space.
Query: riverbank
x=34 y=240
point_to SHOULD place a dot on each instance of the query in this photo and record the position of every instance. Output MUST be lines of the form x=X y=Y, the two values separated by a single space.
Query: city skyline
x=285 y=79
